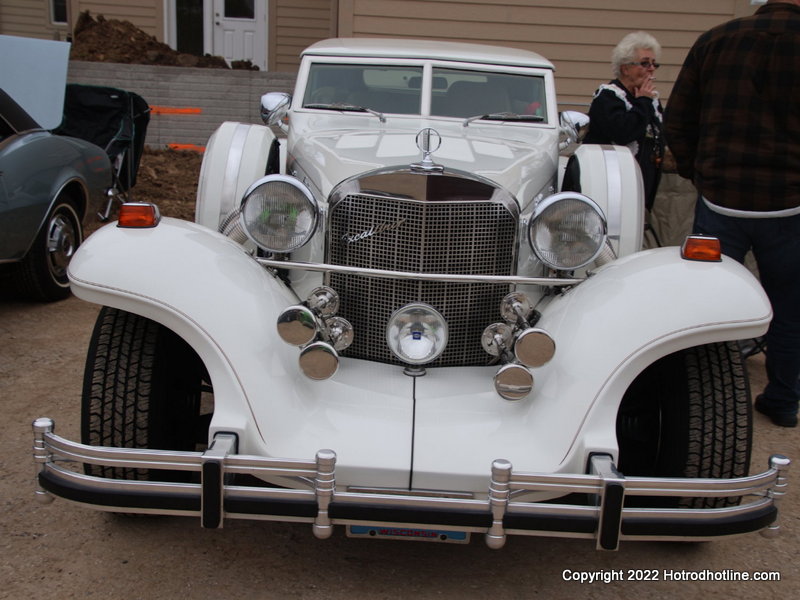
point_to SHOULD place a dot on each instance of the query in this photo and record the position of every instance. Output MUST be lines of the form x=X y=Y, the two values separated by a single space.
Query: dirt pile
x=168 y=178
x=111 y=40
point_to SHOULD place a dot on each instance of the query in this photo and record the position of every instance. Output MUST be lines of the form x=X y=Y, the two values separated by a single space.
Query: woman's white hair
x=625 y=51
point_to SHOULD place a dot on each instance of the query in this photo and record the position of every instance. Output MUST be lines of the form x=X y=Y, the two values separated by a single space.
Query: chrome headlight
x=567 y=231
x=278 y=213
x=417 y=334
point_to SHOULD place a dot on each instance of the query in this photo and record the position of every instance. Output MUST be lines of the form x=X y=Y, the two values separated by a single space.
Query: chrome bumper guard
x=608 y=520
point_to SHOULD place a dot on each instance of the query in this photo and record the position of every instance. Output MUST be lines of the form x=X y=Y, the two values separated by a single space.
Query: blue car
x=51 y=187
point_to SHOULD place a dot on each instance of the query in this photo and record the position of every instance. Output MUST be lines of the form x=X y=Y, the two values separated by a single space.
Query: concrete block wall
x=219 y=94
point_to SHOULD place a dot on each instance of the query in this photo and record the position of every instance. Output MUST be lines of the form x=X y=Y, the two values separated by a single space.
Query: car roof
x=427 y=49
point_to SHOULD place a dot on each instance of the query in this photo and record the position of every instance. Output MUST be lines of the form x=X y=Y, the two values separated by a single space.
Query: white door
x=240 y=30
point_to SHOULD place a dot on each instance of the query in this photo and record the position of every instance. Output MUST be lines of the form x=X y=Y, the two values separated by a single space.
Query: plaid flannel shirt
x=733 y=118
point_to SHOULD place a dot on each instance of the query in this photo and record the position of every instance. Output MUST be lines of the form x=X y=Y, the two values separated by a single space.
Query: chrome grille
x=453 y=237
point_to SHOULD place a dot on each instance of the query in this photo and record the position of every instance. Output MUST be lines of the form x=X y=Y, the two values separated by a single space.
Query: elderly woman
x=627 y=112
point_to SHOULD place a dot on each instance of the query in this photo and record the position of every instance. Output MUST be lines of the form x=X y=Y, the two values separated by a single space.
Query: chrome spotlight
x=513 y=381
x=321 y=334
x=319 y=361
x=534 y=347
x=297 y=325
x=417 y=334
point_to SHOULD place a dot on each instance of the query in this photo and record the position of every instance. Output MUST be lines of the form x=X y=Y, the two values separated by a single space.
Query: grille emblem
x=352 y=238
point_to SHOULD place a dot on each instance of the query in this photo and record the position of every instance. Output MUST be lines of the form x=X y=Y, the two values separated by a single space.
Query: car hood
x=34 y=72
x=520 y=166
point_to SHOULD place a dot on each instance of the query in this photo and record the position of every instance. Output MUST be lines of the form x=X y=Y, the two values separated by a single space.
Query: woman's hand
x=647 y=89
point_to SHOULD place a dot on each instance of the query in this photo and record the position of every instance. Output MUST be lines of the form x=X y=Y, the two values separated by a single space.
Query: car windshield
x=462 y=93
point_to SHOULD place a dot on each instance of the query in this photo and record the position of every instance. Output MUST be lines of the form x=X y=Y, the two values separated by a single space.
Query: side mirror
x=574 y=126
x=274 y=108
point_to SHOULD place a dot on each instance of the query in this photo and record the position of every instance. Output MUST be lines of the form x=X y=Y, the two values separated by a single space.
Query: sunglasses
x=645 y=64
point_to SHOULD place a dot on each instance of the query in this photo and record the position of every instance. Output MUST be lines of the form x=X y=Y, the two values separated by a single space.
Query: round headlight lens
x=417 y=334
x=278 y=213
x=567 y=231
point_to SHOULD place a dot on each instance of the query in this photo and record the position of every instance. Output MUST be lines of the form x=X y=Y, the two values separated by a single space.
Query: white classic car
x=397 y=313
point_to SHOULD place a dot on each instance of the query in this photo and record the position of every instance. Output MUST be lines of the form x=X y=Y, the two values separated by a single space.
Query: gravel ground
x=63 y=551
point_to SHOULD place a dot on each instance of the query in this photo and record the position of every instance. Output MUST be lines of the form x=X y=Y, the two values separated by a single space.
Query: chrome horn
x=519 y=345
x=321 y=334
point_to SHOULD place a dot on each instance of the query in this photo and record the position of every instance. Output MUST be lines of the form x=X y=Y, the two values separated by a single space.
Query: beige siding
x=294 y=25
x=147 y=15
x=29 y=18
x=576 y=35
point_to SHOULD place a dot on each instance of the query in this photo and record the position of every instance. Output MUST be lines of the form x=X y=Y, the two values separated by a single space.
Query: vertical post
x=499 y=493
x=212 y=480
x=781 y=465
x=324 y=486
x=612 y=501
x=41 y=455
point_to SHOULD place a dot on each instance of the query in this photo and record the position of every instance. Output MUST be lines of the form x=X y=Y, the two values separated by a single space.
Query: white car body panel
x=366 y=412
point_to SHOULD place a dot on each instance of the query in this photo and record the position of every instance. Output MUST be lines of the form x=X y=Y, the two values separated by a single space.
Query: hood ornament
x=428 y=141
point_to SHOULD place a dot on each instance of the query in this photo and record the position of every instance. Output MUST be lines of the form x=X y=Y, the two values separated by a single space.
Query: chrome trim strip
x=229 y=180
x=614 y=187
x=389 y=177
x=438 y=277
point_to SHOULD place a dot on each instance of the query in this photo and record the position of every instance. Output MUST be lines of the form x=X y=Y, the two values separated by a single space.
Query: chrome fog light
x=417 y=334
x=513 y=381
x=567 y=231
x=340 y=332
x=278 y=213
x=534 y=347
x=319 y=361
x=497 y=339
x=297 y=325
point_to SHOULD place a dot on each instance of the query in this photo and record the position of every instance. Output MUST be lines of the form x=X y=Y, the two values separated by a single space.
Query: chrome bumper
x=607 y=519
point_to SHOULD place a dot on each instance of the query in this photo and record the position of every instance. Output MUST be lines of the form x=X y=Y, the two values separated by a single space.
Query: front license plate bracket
x=408 y=533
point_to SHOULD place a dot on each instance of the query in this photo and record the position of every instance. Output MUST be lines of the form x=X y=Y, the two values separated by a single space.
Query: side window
x=385 y=89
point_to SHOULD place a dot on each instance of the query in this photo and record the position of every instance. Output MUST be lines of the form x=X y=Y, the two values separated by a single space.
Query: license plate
x=408 y=533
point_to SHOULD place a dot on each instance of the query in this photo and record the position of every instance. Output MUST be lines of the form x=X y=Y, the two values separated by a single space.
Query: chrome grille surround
x=423 y=223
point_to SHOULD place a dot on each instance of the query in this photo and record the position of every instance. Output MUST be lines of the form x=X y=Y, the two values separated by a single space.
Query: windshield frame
x=550 y=118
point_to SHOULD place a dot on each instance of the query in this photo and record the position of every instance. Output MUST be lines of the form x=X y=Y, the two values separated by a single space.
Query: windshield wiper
x=504 y=116
x=341 y=106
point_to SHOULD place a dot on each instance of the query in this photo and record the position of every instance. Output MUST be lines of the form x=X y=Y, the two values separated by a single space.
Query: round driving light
x=534 y=347
x=497 y=338
x=567 y=231
x=278 y=213
x=324 y=300
x=297 y=325
x=319 y=361
x=417 y=334
x=513 y=381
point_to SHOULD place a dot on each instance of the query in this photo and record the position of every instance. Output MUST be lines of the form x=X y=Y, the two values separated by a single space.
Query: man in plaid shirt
x=733 y=125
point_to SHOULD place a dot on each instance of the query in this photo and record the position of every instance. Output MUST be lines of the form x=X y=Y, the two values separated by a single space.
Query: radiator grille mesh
x=453 y=237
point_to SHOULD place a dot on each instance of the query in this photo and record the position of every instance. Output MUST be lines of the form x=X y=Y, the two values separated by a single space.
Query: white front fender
x=210 y=292
x=607 y=330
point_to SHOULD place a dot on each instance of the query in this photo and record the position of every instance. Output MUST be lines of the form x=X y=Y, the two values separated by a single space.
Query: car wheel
x=143 y=387
x=688 y=415
x=42 y=273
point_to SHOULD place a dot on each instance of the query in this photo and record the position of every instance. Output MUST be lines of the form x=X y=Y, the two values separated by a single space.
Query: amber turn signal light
x=138 y=215
x=701 y=247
